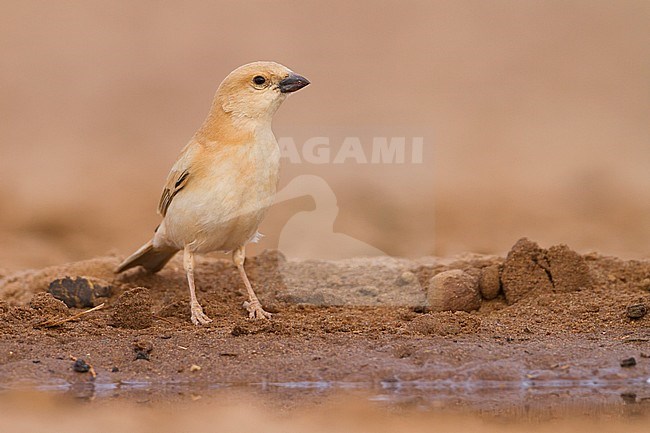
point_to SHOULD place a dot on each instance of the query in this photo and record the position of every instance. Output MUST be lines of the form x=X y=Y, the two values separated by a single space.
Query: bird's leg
x=253 y=306
x=198 y=316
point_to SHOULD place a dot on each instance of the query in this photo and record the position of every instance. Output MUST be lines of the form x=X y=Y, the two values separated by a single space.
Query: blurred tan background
x=535 y=118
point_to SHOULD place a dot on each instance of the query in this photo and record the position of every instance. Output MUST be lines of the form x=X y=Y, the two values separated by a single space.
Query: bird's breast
x=222 y=207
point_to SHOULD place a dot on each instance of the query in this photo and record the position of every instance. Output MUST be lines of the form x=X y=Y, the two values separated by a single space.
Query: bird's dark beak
x=292 y=83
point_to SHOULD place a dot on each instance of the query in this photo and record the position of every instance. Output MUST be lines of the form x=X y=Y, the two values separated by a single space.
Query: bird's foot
x=255 y=310
x=198 y=316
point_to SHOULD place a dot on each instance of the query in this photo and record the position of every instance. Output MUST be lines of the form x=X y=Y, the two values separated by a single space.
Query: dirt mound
x=568 y=270
x=133 y=309
x=525 y=269
x=46 y=304
x=18 y=288
x=530 y=268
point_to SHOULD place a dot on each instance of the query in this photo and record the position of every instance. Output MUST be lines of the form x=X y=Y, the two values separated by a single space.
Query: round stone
x=453 y=290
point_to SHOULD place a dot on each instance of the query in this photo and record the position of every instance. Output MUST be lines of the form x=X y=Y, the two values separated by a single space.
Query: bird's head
x=256 y=90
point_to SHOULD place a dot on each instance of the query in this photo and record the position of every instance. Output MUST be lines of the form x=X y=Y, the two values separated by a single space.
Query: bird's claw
x=198 y=316
x=255 y=310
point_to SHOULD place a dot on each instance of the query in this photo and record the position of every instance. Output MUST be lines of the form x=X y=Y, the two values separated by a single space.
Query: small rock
x=80 y=292
x=628 y=397
x=406 y=278
x=525 y=269
x=239 y=330
x=368 y=291
x=489 y=282
x=142 y=349
x=115 y=370
x=81 y=366
x=628 y=362
x=636 y=311
x=133 y=309
x=453 y=290
x=195 y=367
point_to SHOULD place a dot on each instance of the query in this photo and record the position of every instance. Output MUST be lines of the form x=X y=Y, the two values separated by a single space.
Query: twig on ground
x=56 y=322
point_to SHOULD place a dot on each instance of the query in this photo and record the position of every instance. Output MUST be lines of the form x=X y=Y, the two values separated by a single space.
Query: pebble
x=81 y=366
x=489 y=282
x=636 y=311
x=453 y=290
x=628 y=397
x=628 y=362
x=80 y=292
x=142 y=349
x=142 y=355
x=369 y=291
x=406 y=278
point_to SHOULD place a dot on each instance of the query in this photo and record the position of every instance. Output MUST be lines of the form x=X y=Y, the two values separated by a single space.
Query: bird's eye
x=259 y=80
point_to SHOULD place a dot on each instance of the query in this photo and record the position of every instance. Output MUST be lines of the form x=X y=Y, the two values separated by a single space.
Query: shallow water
x=551 y=397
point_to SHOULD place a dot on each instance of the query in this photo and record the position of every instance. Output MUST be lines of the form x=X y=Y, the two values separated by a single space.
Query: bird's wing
x=177 y=178
x=176 y=181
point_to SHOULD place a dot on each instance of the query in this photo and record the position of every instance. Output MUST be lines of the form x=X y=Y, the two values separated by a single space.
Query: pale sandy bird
x=219 y=189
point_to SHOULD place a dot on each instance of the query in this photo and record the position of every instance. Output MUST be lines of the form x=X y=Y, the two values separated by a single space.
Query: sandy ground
x=565 y=341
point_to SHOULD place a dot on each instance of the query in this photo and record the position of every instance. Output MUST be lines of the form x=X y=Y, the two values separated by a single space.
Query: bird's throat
x=226 y=128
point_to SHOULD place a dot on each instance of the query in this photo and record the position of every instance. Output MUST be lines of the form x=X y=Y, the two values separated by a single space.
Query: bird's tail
x=149 y=257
